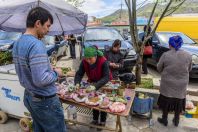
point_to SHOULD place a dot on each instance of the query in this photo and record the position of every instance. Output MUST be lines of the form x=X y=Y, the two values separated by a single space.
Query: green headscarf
x=92 y=52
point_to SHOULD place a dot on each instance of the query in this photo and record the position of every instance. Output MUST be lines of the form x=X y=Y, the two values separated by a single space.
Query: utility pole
x=121 y=10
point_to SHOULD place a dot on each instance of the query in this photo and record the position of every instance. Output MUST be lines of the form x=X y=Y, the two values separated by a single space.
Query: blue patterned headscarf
x=176 y=42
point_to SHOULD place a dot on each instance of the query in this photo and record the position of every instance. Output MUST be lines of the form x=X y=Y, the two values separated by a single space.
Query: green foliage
x=146 y=83
x=31 y=126
x=5 y=58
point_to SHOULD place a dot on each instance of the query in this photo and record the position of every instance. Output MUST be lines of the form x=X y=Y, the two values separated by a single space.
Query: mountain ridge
x=189 y=6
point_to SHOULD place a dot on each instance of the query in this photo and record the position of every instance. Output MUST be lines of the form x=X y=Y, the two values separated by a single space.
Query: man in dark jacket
x=72 y=43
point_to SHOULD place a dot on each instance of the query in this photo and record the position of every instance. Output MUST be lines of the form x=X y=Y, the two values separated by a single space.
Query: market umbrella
x=67 y=19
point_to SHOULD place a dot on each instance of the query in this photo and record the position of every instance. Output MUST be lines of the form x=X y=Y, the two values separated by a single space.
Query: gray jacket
x=174 y=67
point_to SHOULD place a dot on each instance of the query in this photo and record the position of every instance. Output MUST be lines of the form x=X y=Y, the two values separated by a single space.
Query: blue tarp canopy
x=67 y=19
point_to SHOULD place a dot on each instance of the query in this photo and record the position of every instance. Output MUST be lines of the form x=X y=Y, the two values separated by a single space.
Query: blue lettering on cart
x=8 y=94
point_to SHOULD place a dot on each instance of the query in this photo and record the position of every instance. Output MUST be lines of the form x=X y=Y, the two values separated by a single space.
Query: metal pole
x=38 y=2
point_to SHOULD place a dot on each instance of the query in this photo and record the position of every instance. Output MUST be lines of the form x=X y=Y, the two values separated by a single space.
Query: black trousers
x=72 y=50
x=103 y=115
x=165 y=114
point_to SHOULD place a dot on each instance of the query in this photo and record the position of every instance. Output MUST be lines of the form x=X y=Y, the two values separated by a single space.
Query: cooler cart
x=11 y=98
x=142 y=107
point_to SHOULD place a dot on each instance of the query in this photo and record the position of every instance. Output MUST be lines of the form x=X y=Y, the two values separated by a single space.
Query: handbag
x=148 y=50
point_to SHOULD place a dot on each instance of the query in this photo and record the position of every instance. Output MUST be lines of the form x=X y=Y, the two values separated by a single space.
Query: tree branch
x=150 y=18
x=175 y=8
x=161 y=17
x=135 y=21
x=131 y=23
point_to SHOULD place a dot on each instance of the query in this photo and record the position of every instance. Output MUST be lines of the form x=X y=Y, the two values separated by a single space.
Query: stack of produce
x=88 y=95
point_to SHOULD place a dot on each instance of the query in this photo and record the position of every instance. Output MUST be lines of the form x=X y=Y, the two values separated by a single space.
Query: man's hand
x=58 y=71
x=52 y=67
x=114 y=65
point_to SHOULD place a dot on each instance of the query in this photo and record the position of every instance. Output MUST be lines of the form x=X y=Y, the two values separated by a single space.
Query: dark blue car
x=103 y=37
x=160 y=45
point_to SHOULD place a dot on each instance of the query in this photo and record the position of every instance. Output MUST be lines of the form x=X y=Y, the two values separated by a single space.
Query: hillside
x=190 y=6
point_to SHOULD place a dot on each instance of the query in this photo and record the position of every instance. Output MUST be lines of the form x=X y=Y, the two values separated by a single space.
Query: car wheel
x=3 y=117
x=24 y=124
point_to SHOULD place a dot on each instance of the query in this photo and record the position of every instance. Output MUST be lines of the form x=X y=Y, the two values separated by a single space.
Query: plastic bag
x=189 y=103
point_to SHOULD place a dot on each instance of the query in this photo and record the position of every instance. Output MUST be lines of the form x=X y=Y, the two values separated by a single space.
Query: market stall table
x=131 y=94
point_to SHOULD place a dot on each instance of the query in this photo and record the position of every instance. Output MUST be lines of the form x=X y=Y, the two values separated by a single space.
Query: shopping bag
x=148 y=50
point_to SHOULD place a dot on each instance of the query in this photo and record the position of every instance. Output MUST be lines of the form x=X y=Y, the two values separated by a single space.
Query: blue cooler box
x=142 y=106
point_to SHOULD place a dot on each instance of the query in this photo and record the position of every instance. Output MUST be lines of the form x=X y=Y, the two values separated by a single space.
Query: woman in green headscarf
x=97 y=70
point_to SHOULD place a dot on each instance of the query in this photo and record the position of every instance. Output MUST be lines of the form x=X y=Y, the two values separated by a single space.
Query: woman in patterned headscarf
x=174 y=66
x=97 y=70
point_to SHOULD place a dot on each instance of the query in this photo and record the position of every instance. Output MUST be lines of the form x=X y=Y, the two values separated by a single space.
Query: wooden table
x=131 y=93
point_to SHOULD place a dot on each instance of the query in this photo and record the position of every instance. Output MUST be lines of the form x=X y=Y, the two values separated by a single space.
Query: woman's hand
x=116 y=66
x=112 y=64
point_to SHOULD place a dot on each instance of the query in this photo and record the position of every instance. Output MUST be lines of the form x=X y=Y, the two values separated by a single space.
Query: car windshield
x=9 y=36
x=48 y=40
x=101 y=34
x=164 y=37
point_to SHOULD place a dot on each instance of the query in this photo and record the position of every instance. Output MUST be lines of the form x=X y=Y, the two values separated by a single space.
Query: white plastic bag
x=189 y=103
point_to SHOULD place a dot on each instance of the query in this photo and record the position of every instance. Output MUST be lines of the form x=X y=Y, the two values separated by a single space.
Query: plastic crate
x=142 y=106
x=188 y=115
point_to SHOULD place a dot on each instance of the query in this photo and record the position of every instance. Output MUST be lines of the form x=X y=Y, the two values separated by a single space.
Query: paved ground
x=134 y=125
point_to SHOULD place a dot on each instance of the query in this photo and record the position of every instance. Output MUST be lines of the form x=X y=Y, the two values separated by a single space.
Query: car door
x=162 y=47
x=158 y=49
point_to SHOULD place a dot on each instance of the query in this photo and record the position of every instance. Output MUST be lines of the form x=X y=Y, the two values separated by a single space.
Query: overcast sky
x=100 y=8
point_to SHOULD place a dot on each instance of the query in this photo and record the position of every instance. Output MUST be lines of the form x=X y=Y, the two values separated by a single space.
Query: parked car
x=7 y=40
x=160 y=45
x=55 y=45
x=103 y=38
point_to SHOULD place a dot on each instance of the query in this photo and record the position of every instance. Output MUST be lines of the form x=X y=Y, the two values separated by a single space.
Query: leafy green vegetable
x=5 y=58
x=65 y=70
x=146 y=83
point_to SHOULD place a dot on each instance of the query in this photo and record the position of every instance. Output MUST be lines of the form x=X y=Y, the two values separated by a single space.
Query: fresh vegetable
x=90 y=88
x=5 y=58
x=65 y=70
x=71 y=88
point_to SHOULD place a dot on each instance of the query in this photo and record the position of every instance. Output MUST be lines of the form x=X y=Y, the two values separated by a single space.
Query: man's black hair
x=38 y=13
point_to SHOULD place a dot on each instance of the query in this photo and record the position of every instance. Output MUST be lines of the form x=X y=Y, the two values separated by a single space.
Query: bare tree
x=76 y=3
x=169 y=8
